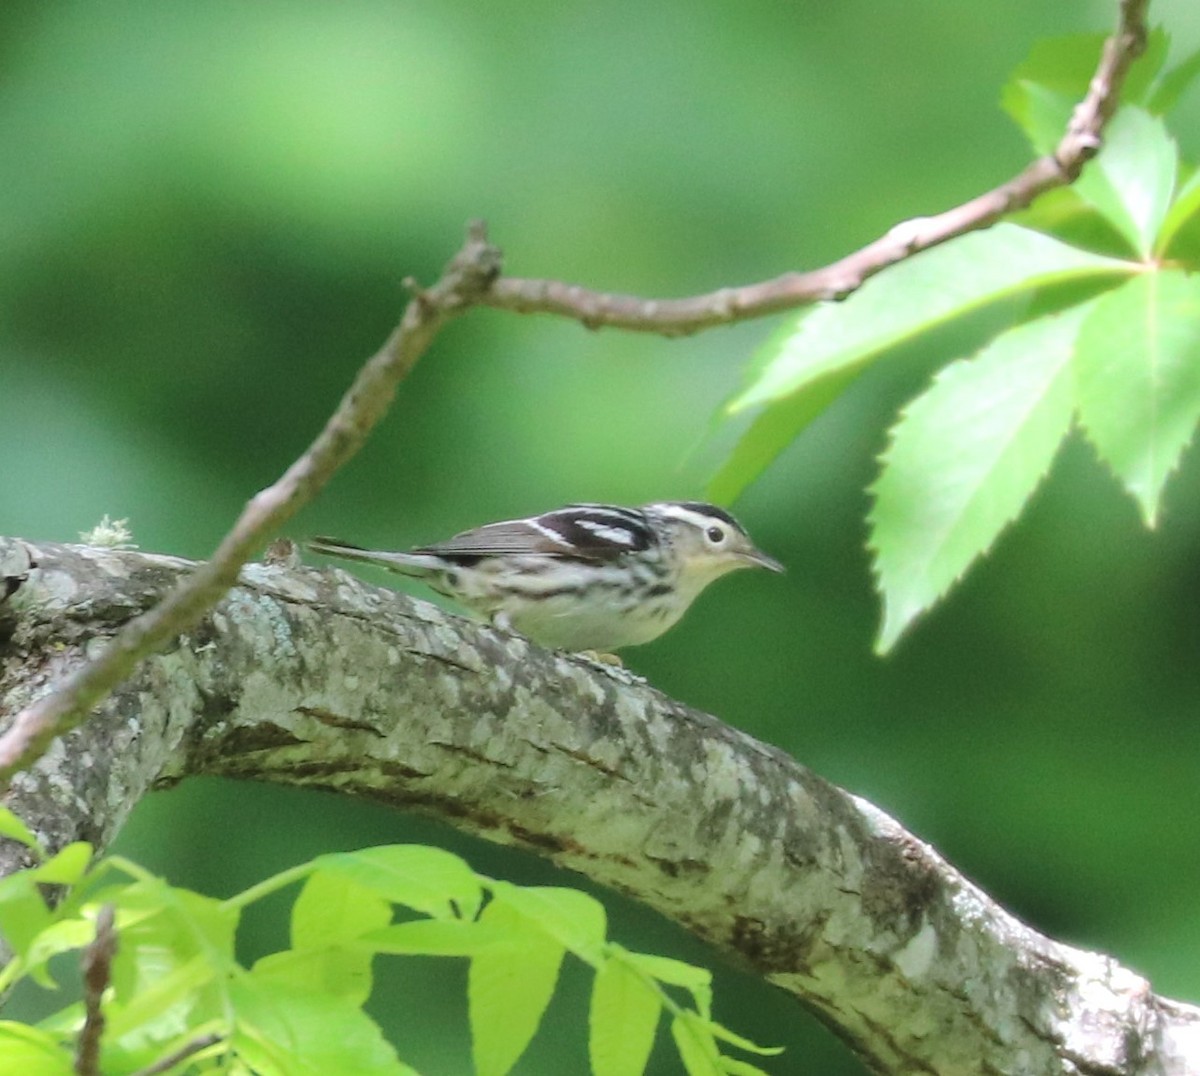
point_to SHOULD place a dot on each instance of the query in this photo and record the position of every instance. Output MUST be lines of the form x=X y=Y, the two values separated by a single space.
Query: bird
x=581 y=578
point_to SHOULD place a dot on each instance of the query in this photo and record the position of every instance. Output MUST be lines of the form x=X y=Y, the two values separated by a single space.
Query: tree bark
x=311 y=678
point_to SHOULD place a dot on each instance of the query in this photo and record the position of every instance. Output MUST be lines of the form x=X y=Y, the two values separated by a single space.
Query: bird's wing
x=578 y=532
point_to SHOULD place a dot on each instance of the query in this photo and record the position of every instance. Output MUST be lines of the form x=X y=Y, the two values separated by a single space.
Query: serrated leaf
x=834 y=342
x=25 y=1049
x=697 y=1048
x=1131 y=180
x=622 y=1018
x=332 y=908
x=575 y=920
x=509 y=987
x=434 y=937
x=428 y=880
x=13 y=828
x=1138 y=379
x=1184 y=207
x=964 y=459
x=920 y=294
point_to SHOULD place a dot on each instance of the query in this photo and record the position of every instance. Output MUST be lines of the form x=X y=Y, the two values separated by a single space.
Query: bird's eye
x=715 y=535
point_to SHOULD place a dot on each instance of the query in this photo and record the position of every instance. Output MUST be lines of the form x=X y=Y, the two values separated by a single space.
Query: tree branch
x=311 y=678
x=470 y=279
x=680 y=317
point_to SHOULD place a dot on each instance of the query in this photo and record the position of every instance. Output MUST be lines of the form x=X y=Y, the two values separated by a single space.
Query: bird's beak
x=756 y=558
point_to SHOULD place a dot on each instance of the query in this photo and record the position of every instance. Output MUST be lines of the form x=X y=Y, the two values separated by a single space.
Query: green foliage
x=176 y=978
x=965 y=457
x=1137 y=365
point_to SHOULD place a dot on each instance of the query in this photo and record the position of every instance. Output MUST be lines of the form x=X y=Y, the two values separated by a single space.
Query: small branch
x=97 y=973
x=165 y=1064
x=680 y=317
x=368 y=399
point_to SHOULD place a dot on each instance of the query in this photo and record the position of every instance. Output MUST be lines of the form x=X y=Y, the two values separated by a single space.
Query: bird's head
x=707 y=541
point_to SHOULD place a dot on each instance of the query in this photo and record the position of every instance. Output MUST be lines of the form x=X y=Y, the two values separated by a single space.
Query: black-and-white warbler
x=583 y=577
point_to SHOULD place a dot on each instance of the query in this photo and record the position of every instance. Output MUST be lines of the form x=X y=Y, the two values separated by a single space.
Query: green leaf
x=1138 y=379
x=1183 y=208
x=330 y=912
x=332 y=908
x=66 y=866
x=831 y=344
x=1132 y=179
x=622 y=1020
x=917 y=295
x=697 y=981
x=721 y=1032
x=25 y=1049
x=284 y=1030
x=163 y=1007
x=1045 y=87
x=172 y=964
x=1174 y=84
x=697 y=1048
x=572 y=918
x=964 y=459
x=341 y=971
x=60 y=937
x=434 y=937
x=13 y=828
x=23 y=911
x=1058 y=67
x=428 y=880
x=1041 y=112
x=509 y=987
x=771 y=432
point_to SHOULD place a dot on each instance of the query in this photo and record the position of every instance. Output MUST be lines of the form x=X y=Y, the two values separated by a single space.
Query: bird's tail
x=416 y=564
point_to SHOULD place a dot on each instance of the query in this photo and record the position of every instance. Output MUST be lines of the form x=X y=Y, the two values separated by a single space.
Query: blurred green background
x=206 y=215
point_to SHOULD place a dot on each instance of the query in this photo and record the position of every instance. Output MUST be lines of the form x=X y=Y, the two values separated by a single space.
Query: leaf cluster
x=1107 y=336
x=176 y=980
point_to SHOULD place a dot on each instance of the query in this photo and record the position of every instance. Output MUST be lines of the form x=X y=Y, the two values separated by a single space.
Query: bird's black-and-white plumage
x=583 y=577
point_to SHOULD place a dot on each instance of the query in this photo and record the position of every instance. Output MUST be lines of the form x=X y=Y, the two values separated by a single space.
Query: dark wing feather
x=579 y=532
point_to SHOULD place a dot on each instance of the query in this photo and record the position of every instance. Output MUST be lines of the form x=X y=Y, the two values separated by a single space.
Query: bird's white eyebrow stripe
x=687 y=515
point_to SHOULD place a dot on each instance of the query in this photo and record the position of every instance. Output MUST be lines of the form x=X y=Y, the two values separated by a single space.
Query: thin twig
x=97 y=973
x=680 y=317
x=165 y=1064
x=471 y=279
x=368 y=399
